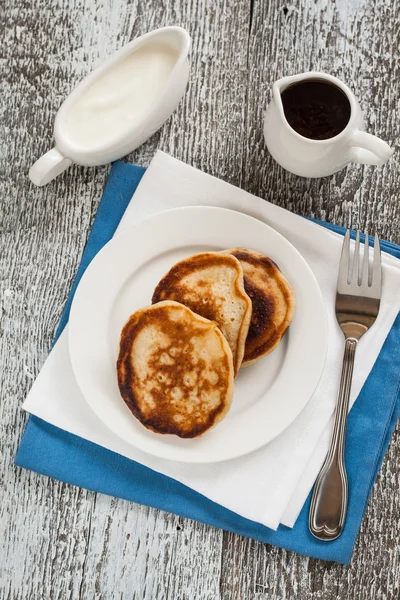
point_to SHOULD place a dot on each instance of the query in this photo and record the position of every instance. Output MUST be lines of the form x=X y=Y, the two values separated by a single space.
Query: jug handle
x=368 y=149
x=48 y=166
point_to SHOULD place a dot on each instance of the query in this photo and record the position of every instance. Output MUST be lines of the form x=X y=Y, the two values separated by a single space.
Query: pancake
x=175 y=370
x=273 y=302
x=211 y=285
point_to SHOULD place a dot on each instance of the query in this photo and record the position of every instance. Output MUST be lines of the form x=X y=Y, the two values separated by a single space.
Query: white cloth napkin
x=268 y=486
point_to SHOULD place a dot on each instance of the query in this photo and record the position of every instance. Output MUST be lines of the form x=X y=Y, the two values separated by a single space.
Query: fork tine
x=355 y=273
x=343 y=277
x=376 y=267
x=365 y=269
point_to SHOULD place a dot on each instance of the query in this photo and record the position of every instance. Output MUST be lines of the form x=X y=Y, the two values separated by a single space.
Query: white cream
x=120 y=97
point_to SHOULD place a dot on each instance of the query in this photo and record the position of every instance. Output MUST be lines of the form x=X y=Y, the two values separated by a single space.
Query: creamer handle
x=48 y=166
x=368 y=149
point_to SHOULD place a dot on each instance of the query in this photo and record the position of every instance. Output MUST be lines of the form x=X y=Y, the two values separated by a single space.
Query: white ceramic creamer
x=320 y=157
x=120 y=104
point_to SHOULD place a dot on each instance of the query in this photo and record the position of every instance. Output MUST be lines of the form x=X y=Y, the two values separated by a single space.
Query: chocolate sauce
x=316 y=109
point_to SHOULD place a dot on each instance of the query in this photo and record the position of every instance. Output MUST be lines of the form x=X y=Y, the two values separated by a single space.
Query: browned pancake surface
x=273 y=302
x=211 y=284
x=175 y=370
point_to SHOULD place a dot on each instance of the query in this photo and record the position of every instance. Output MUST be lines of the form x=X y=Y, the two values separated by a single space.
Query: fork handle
x=329 y=499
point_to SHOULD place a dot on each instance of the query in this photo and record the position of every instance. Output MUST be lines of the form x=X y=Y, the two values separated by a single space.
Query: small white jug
x=317 y=158
x=120 y=104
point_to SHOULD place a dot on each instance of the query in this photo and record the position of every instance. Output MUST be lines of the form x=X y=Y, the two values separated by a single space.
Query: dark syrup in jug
x=316 y=109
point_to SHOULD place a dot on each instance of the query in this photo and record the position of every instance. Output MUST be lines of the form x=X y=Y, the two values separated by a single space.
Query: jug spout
x=281 y=84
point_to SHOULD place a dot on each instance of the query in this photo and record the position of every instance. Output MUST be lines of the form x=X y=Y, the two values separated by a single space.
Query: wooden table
x=60 y=542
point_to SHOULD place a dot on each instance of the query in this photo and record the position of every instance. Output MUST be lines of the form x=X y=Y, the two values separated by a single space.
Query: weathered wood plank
x=136 y=556
x=60 y=542
x=357 y=41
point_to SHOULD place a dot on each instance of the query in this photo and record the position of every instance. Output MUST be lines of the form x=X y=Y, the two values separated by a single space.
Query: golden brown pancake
x=211 y=285
x=273 y=302
x=175 y=370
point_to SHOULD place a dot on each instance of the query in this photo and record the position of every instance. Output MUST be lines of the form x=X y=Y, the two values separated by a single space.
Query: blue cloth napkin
x=53 y=452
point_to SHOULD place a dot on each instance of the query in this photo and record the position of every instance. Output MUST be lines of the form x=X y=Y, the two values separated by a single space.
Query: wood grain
x=357 y=41
x=61 y=542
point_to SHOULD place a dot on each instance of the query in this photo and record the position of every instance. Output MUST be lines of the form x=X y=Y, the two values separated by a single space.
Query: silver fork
x=357 y=306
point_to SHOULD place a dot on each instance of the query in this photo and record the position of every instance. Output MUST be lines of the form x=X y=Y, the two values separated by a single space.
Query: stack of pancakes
x=211 y=314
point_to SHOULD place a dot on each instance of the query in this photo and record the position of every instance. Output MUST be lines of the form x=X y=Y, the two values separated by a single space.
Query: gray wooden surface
x=60 y=542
